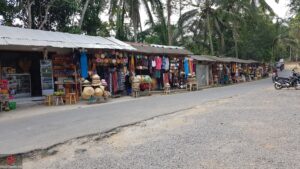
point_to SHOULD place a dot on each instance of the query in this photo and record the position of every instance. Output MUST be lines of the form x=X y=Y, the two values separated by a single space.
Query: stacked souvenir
x=88 y=90
x=96 y=88
x=136 y=83
x=145 y=83
x=191 y=78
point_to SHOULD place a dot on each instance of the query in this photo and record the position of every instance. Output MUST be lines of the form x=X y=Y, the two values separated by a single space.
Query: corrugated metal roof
x=124 y=45
x=159 y=49
x=30 y=37
x=236 y=60
x=219 y=59
x=203 y=58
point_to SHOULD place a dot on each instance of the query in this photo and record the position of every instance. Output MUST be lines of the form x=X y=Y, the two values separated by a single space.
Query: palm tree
x=205 y=21
x=122 y=9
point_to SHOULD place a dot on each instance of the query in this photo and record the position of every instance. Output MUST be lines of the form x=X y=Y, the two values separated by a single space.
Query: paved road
x=41 y=131
x=259 y=128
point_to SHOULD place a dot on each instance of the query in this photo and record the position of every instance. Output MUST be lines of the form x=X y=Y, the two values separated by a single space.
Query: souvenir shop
x=203 y=69
x=111 y=66
x=221 y=71
x=20 y=76
x=21 y=70
x=163 y=64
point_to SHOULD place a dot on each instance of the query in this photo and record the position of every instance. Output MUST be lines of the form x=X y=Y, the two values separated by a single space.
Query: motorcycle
x=293 y=81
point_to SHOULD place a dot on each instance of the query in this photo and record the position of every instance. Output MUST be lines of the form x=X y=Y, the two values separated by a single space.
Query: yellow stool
x=59 y=100
x=167 y=90
x=48 y=100
x=72 y=98
x=135 y=93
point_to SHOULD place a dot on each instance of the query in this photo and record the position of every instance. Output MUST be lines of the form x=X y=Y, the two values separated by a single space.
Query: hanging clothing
x=186 y=66
x=166 y=78
x=84 y=65
x=115 y=81
x=191 y=66
x=121 y=80
x=166 y=63
x=132 y=67
x=153 y=63
x=157 y=74
x=158 y=62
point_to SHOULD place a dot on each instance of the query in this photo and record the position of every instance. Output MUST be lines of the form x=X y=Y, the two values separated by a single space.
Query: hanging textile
x=84 y=65
x=121 y=80
x=110 y=83
x=186 y=66
x=132 y=67
x=166 y=78
x=157 y=73
x=191 y=66
x=158 y=62
x=166 y=63
x=167 y=66
x=115 y=81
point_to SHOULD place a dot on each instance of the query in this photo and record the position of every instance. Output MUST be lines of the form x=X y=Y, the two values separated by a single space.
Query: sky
x=281 y=8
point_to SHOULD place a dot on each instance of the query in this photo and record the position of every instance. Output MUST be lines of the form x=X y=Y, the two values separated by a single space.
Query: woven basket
x=88 y=91
x=136 y=85
x=85 y=97
x=99 y=92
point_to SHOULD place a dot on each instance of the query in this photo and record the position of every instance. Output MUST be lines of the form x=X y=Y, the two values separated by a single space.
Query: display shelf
x=20 y=84
x=63 y=69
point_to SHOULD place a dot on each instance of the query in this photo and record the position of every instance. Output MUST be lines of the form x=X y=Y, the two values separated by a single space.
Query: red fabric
x=166 y=78
x=115 y=81
x=158 y=62
x=144 y=86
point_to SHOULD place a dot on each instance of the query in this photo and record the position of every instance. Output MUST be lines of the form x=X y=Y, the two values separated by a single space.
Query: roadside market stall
x=166 y=65
x=43 y=63
x=204 y=66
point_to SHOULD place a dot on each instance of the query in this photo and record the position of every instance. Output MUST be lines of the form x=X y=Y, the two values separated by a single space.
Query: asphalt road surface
x=41 y=131
x=247 y=126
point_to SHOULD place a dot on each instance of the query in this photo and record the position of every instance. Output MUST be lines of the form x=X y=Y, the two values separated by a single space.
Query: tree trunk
x=235 y=42
x=210 y=34
x=222 y=41
x=46 y=15
x=181 y=29
x=28 y=6
x=169 y=12
x=83 y=13
x=290 y=53
x=135 y=31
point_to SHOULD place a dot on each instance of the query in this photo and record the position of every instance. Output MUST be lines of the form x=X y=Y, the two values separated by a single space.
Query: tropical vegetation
x=247 y=29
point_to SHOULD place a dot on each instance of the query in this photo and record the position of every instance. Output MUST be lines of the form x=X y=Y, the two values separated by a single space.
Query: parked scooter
x=293 y=81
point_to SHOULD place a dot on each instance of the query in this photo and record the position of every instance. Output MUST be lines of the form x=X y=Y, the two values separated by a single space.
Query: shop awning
x=13 y=36
x=203 y=58
x=236 y=60
x=124 y=45
x=159 y=49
